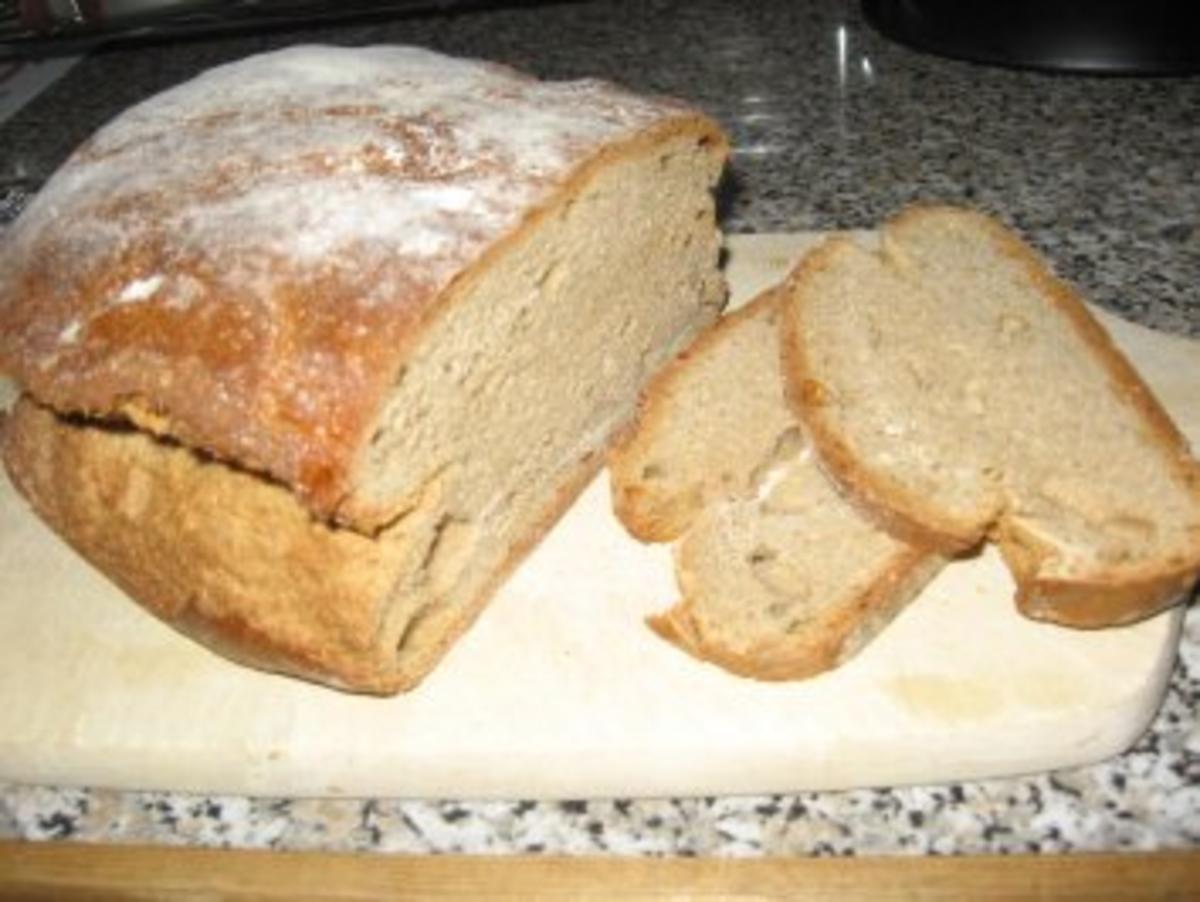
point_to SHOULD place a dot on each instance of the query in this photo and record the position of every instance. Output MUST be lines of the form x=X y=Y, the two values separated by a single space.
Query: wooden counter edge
x=77 y=870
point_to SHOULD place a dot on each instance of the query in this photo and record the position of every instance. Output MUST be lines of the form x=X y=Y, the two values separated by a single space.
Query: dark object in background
x=30 y=27
x=1114 y=37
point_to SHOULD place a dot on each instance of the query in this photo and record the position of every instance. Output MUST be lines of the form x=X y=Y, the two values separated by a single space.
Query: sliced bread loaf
x=960 y=392
x=781 y=578
x=336 y=334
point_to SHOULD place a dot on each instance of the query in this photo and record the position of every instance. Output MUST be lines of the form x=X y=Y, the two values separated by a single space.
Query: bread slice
x=960 y=391
x=336 y=334
x=707 y=428
x=781 y=577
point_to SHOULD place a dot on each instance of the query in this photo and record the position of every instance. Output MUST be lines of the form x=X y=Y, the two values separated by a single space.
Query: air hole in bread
x=762 y=554
x=777 y=610
x=653 y=471
x=551 y=277
x=454 y=539
x=453 y=368
x=788 y=445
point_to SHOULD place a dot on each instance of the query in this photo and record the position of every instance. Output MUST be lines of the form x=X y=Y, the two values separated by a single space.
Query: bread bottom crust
x=235 y=561
x=841 y=631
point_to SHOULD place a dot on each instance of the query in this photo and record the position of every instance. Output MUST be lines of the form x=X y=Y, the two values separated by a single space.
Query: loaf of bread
x=781 y=578
x=960 y=392
x=315 y=346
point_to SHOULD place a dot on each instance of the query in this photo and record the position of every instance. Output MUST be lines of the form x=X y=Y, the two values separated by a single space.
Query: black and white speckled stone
x=1102 y=174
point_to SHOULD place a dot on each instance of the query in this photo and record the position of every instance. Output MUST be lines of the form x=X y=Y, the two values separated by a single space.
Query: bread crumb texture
x=780 y=576
x=966 y=393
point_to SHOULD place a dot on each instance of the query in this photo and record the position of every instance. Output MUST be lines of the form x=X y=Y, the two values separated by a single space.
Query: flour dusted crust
x=316 y=347
x=243 y=262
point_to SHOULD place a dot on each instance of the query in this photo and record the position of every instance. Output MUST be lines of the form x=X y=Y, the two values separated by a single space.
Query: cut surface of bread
x=439 y=416
x=291 y=260
x=960 y=391
x=780 y=577
x=711 y=422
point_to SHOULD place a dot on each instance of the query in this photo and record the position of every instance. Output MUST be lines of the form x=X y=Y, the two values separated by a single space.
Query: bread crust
x=844 y=630
x=1113 y=597
x=233 y=560
x=1105 y=597
x=212 y=551
x=284 y=373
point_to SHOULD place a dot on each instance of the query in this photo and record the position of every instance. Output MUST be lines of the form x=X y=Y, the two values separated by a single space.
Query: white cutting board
x=560 y=690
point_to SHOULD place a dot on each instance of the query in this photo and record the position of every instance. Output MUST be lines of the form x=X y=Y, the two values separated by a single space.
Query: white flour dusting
x=313 y=152
x=259 y=236
x=139 y=290
x=69 y=333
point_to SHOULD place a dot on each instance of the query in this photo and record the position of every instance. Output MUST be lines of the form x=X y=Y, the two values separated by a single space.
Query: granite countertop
x=833 y=126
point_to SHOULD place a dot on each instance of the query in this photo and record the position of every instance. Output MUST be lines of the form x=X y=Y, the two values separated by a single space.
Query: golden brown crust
x=1094 y=605
x=644 y=512
x=841 y=634
x=234 y=561
x=277 y=364
x=885 y=502
x=220 y=554
x=1112 y=597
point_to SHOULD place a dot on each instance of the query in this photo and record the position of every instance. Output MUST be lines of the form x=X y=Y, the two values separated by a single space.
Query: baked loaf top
x=243 y=262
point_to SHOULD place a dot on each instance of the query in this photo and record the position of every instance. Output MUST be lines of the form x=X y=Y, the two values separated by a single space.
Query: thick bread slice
x=781 y=577
x=960 y=391
x=359 y=340
x=703 y=434
x=789 y=585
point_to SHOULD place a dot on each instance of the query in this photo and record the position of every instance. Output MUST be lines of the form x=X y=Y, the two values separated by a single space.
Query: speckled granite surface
x=833 y=127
